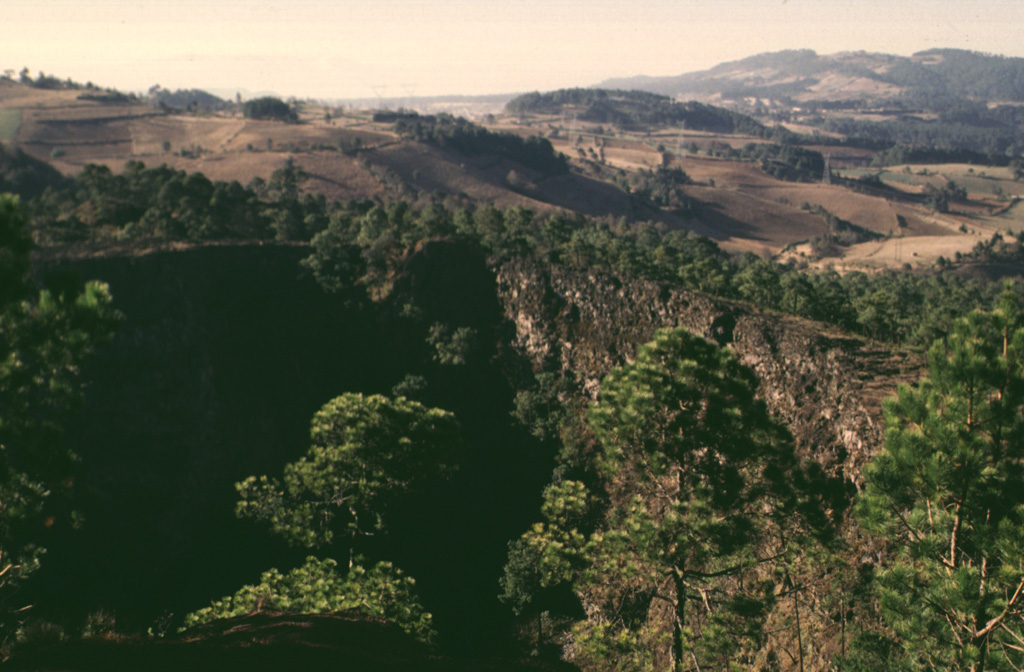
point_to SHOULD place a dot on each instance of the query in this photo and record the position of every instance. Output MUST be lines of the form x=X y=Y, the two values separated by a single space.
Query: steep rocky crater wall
x=826 y=386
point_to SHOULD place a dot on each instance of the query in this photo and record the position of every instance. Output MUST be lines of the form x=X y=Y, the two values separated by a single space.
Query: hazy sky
x=359 y=48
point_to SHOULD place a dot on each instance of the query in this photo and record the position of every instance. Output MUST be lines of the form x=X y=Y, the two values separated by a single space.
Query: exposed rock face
x=826 y=387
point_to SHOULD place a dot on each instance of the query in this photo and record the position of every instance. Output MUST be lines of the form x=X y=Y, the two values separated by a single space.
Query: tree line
x=364 y=243
x=631 y=109
x=364 y=240
x=465 y=137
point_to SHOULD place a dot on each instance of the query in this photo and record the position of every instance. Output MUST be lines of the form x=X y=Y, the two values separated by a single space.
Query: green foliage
x=452 y=347
x=270 y=108
x=43 y=341
x=15 y=246
x=638 y=108
x=784 y=161
x=978 y=75
x=359 y=247
x=10 y=122
x=22 y=175
x=366 y=453
x=873 y=652
x=411 y=386
x=521 y=581
x=364 y=246
x=151 y=203
x=963 y=150
x=185 y=99
x=695 y=487
x=947 y=493
x=939 y=199
x=839 y=231
x=467 y=138
x=99 y=624
x=539 y=408
x=335 y=263
x=663 y=187
x=317 y=586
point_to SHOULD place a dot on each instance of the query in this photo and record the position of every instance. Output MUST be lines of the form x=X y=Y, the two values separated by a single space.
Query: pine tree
x=44 y=337
x=367 y=452
x=318 y=587
x=947 y=493
x=695 y=483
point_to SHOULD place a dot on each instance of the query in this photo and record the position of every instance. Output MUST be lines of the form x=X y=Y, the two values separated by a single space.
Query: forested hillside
x=636 y=109
x=459 y=419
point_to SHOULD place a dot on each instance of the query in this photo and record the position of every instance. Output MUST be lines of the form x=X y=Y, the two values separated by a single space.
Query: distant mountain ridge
x=934 y=77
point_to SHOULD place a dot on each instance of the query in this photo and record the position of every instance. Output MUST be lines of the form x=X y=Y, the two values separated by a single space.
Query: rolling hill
x=803 y=76
x=612 y=140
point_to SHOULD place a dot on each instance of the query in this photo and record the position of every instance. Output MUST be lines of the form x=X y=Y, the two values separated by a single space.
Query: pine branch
x=1006 y=610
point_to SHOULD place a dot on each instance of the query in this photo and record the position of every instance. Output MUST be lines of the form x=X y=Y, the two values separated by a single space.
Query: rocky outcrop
x=826 y=386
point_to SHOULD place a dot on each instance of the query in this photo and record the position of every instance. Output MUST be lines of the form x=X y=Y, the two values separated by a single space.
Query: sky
x=337 y=49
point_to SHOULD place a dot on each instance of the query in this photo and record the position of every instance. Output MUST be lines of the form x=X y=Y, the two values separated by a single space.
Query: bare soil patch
x=918 y=251
x=743 y=221
x=730 y=174
x=874 y=214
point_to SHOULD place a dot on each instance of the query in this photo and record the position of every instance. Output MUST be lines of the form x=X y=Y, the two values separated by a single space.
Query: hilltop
x=868 y=79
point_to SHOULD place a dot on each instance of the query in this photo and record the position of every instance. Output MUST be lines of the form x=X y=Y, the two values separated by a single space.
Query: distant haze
x=405 y=48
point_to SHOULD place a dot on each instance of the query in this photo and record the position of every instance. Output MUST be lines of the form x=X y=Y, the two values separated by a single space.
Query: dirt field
x=624 y=154
x=18 y=95
x=918 y=251
x=742 y=207
x=729 y=174
x=874 y=214
x=1013 y=217
x=743 y=221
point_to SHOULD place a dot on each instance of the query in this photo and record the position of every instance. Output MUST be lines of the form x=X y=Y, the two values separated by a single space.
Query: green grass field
x=10 y=122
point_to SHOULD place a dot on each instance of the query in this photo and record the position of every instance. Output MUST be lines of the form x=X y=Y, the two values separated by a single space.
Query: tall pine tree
x=947 y=493
x=696 y=494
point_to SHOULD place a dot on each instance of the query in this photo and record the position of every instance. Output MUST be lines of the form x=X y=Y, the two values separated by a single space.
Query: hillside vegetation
x=601 y=382
x=637 y=109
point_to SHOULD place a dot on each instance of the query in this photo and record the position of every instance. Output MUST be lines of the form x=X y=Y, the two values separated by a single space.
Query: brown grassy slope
x=746 y=209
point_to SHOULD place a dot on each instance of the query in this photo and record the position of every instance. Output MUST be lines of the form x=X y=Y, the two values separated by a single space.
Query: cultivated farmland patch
x=10 y=122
